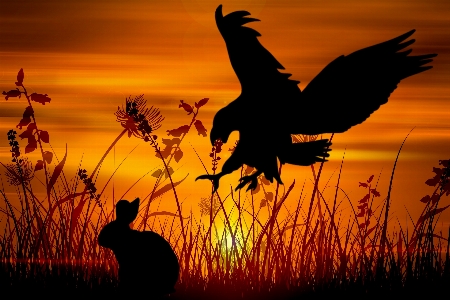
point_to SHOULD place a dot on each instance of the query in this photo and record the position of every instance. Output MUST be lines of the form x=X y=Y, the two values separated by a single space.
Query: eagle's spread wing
x=254 y=65
x=352 y=87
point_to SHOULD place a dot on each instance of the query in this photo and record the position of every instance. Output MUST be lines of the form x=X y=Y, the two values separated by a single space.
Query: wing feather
x=352 y=87
x=255 y=67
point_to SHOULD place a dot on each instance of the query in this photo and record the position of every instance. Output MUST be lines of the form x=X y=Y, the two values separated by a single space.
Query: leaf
x=169 y=146
x=170 y=172
x=48 y=156
x=256 y=190
x=165 y=189
x=430 y=214
x=363 y=184
x=44 y=136
x=248 y=170
x=157 y=173
x=26 y=117
x=165 y=213
x=370 y=179
x=171 y=142
x=433 y=181
x=12 y=94
x=263 y=203
x=28 y=132
x=361 y=213
x=435 y=198
x=58 y=169
x=269 y=196
x=165 y=153
x=186 y=107
x=365 y=199
x=363 y=206
x=264 y=180
x=179 y=131
x=445 y=163
x=20 y=76
x=32 y=144
x=40 y=98
x=200 y=128
x=375 y=192
x=201 y=102
x=31 y=127
x=23 y=122
x=39 y=165
x=425 y=199
x=178 y=155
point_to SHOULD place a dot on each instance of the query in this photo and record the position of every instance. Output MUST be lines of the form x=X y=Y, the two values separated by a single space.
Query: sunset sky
x=88 y=56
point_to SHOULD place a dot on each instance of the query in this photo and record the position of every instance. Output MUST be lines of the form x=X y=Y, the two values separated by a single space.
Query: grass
x=50 y=245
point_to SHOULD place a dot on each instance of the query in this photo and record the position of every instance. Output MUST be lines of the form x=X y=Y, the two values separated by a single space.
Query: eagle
x=271 y=107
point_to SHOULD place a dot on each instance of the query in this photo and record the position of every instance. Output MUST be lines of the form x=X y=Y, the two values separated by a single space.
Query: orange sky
x=89 y=55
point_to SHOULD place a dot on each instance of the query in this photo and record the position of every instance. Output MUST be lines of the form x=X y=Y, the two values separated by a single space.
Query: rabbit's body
x=146 y=260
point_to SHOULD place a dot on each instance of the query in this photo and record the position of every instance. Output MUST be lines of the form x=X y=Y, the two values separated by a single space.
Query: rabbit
x=147 y=262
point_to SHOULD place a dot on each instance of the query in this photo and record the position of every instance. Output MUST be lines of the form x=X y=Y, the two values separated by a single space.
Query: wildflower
x=441 y=178
x=216 y=149
x=205 y=206
x=15 y=151
x=90 y=186
x=16 y=173
x=445 y=182
x=137 y=119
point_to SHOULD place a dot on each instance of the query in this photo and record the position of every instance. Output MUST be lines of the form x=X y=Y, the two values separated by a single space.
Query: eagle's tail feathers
x=305 y=154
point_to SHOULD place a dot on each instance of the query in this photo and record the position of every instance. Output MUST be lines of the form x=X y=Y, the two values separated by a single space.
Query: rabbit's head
x=127 y=211
x=116 y=232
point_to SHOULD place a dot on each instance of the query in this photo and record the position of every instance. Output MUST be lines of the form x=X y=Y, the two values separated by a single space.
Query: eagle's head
x=222 y=125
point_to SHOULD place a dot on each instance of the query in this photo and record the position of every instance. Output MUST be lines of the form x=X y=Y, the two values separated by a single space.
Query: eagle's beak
x=214 y=136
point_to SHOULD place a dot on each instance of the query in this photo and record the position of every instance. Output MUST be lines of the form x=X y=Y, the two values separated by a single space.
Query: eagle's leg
x=214 y=178
x=233 y=163
x=253 y=179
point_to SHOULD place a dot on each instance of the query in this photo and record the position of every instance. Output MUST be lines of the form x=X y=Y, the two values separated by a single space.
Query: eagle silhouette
x=271 y=106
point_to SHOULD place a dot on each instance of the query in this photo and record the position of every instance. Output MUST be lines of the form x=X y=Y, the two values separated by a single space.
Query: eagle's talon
x=253 y=179
x=253 y=184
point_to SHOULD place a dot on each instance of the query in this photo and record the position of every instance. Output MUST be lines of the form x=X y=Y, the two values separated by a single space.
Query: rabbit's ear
x=134 y=209
x=126 y=212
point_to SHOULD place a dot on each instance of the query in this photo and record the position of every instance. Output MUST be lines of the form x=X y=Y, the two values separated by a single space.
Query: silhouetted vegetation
x=49 y=245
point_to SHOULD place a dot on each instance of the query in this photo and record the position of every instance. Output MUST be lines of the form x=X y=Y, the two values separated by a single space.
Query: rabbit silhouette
x=147 y=262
